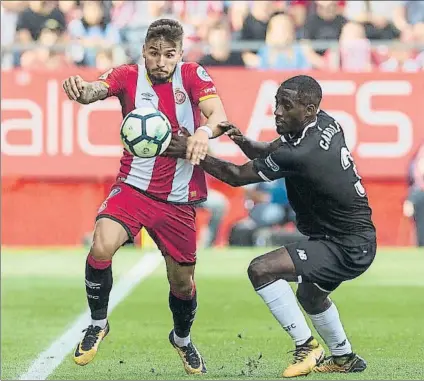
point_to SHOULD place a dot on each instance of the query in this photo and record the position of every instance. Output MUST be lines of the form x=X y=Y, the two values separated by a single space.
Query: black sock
x=98 y=284
x=183 y=312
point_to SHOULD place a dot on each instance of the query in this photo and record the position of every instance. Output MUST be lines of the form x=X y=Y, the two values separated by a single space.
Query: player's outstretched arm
x=232 y=174
x=229 y=173
x=252 y=149
x=84 y=92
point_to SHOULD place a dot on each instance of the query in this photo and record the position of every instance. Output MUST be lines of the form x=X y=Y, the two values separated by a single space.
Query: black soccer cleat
x=350 y=363
x=192 y=360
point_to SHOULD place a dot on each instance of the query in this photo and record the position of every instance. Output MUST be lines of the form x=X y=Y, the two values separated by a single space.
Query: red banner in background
x=45 y=134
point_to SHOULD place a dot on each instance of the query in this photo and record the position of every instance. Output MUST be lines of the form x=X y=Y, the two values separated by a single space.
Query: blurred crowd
x=282 y=35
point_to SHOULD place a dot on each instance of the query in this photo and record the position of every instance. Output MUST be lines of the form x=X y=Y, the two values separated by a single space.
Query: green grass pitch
x=43 y=292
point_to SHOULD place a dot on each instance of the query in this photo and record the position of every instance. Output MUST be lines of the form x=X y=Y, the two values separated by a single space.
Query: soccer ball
x=146 y=132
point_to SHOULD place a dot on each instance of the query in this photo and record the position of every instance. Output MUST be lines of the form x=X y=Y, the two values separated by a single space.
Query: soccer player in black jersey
x=331 y=205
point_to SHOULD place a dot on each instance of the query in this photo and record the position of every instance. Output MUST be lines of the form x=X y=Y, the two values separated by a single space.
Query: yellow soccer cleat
x=87 y=348
x=306 y=358
x=192 y=360
x=350 y=363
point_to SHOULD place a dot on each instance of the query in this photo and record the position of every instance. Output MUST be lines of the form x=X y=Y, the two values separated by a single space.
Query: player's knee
x=102 y=249
x=182 y=287
x=310 y=303
x=259 y=273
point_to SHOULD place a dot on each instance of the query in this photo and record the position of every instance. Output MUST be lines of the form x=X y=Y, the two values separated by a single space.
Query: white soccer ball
x=146 y=132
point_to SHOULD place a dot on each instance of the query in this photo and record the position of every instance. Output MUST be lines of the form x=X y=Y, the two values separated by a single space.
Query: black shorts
x=327 y=264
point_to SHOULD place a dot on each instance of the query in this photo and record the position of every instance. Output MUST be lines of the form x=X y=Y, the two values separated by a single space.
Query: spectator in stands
x=217 y=205
x=355 y=51
x=71 y=10
x=200 y=14
x=237 y=13
x=46 y=54
x=93 y=33
x=9 y=17
x=298 y=10
x=280 y=51
x=414 y=205
x=220 y=54
x=104 y=60
x=270 y=205
x=32 y=20
x=132 y=19
x=325 y=24
x=376 y=16
x=408 y=17
x=254 y=28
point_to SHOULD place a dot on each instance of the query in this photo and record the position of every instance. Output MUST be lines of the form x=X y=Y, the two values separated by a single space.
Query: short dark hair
x=168 y=29
x=308 y=89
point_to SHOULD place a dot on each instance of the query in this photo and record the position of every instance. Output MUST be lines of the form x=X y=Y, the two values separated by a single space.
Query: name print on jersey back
x=346 y=158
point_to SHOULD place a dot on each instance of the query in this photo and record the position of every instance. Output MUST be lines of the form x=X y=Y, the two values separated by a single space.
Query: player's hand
x=74 y=86
x=178 y=146
x=197 y=147
x=232 y=132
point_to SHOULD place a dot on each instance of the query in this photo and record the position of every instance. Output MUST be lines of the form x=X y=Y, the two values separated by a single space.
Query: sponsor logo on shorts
x=102 y=207
x=180 y=97
x=302 y=254
x=203 y=75
x=271 y=164
x=114 y=192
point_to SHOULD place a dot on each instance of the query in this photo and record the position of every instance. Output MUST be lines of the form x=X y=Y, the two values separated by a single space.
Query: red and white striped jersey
x=167 y=179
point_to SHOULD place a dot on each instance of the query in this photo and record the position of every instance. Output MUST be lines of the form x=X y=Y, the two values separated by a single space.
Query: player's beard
x=159 y=79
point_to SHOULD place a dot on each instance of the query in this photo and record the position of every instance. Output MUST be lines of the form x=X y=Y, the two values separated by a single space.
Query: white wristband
x=208 y=130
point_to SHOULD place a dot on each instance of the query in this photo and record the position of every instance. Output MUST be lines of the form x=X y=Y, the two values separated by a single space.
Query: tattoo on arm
x=93 y=92
x=230 y=173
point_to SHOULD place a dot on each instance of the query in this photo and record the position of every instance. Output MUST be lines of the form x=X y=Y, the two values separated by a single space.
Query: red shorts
x=171 y=226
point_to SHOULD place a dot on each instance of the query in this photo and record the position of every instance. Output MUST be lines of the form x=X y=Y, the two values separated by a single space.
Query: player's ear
x=143 y=50
x=311 y=110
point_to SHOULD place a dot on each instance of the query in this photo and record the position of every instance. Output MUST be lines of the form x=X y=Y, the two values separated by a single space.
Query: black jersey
x=323 y=185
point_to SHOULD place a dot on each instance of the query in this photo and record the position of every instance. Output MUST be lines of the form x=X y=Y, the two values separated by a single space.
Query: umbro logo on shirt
x=147 y=96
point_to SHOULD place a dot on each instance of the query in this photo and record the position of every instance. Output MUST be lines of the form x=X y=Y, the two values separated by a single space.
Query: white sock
x=181 y=341
x=99 y=323
x=282 y=303
x=330 y=328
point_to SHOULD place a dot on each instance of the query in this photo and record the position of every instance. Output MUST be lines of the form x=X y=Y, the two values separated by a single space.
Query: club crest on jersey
x=105 y=75
x=203 y=75
x=179 y=96
x=302 y=254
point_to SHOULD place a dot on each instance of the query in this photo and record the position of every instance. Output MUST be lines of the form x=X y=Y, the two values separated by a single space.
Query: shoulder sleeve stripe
x=104 y=83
